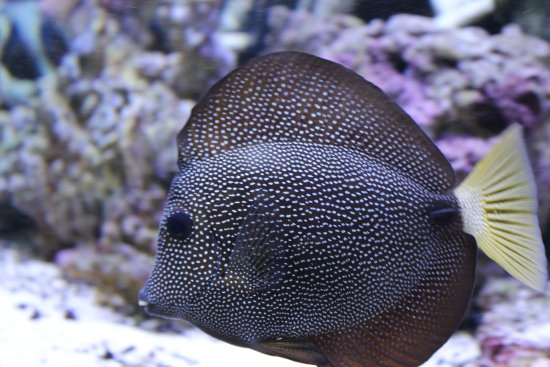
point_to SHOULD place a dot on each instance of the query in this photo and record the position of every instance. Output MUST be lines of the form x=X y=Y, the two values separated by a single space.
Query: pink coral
x=436 y=75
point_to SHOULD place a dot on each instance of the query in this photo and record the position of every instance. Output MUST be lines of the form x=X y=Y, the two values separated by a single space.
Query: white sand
x=53 y=340
x=34 y=299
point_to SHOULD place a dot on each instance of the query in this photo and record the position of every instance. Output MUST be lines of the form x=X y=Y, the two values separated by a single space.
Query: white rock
x=456 y=13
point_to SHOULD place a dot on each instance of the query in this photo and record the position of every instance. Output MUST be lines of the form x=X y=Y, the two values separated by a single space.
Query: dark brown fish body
x=311 y=220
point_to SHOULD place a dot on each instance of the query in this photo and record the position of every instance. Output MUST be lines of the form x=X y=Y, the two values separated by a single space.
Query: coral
x=540 y=144
x=437 y=75
x=89 y=146
x=90 y=150
x=515 y=329
x=191 y=28
x=88 y=156
x=462 y=86
x=88 y=142
x=122 y=271
x=463 y=152
x=34 y=36
x=462 y=350
x=94 y=152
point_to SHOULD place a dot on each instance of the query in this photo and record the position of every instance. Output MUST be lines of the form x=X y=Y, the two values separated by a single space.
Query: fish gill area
x=94 y=92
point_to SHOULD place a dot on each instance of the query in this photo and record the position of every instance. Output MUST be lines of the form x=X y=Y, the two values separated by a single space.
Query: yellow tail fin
x=499 y=208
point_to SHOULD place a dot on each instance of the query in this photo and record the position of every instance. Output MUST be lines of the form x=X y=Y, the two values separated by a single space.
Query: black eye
x=179 y=226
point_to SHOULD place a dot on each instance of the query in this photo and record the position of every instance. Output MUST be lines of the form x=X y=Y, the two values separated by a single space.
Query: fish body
x=347 y=246
x=311 y=219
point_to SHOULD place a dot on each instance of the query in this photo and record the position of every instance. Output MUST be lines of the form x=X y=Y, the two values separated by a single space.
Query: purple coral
x=463 y=152
x=436 y=75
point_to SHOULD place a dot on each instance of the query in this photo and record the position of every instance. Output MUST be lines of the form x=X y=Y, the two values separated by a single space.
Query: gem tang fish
x=313 y=220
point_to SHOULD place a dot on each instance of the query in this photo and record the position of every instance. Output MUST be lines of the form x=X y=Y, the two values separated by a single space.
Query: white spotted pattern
x=352 y=181
x=356 y=235
x=301 y=98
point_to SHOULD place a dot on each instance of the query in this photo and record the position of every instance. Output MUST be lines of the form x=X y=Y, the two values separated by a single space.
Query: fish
x=312 y=219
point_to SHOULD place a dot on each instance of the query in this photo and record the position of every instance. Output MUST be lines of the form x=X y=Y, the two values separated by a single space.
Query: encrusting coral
x=515 y=327
x=88 y=153
x=87 y=150
x=436 y=75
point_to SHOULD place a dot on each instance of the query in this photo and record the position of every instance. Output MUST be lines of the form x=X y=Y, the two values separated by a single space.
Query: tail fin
x=499 y=208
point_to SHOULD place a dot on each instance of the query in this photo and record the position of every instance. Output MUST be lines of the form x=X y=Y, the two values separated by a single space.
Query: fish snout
x=155 y=307
x=143 y=297
x=149 y=307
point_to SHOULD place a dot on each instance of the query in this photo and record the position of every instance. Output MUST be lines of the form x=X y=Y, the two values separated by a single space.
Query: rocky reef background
x=93 y=93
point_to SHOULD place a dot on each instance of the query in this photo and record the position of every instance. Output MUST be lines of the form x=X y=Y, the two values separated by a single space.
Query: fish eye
x=179 y=225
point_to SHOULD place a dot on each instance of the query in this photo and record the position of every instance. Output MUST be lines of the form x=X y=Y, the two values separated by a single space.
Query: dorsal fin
x=296 y=97
x=257 y=252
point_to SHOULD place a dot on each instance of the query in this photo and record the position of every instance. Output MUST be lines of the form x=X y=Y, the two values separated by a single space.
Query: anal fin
x=298 y=350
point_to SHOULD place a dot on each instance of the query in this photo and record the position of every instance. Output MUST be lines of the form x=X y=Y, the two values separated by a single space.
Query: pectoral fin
x=257 y=252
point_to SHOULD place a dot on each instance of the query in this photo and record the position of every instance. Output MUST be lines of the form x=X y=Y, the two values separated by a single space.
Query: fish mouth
x=143 y=301
x=143 y=298
x=155 y=308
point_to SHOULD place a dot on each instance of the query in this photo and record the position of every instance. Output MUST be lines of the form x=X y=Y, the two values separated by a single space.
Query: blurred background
x=94 y=92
